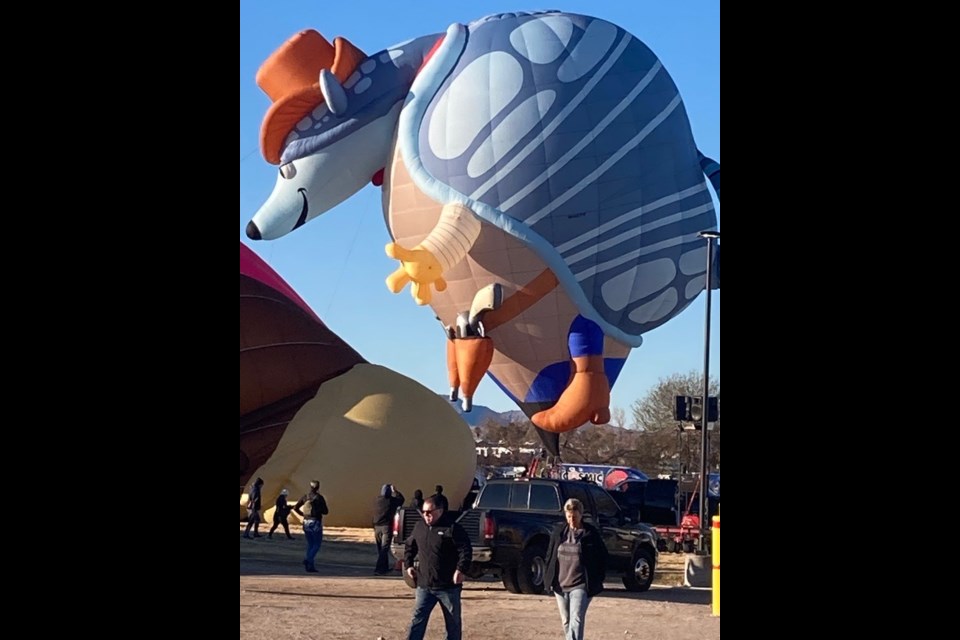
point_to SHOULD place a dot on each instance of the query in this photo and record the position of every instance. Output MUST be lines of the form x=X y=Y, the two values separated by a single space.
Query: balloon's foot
x=586 y=398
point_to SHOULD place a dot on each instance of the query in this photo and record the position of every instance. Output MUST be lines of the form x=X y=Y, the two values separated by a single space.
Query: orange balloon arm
x=523 y=299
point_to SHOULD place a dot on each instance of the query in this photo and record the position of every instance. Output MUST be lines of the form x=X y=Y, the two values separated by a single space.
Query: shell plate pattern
x=567 y=132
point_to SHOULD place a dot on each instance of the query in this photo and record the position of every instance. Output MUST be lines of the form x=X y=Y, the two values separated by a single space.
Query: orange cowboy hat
x=291 y=77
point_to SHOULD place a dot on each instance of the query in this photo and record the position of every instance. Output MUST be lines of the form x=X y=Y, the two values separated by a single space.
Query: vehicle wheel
x=407 y=579
x=640 y=576
x=533 y=566
x=509 y=577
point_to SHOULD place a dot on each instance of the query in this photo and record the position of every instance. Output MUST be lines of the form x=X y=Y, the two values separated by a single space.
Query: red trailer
x=682 y=538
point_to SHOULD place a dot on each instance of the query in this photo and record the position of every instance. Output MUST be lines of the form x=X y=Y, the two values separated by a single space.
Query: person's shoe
x=312 y=570
x=380 y=573
x=257 y=535
x=269 y=536
x=289 y=537
x=247 y=537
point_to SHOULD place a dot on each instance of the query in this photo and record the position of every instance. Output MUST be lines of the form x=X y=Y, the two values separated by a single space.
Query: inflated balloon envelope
x=547 y=153
x=312 y=408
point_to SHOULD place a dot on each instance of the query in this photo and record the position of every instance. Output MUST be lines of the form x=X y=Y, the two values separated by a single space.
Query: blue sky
x=337 y=262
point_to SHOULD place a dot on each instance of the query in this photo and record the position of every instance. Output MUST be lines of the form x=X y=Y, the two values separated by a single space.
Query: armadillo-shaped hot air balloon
x=540 y=180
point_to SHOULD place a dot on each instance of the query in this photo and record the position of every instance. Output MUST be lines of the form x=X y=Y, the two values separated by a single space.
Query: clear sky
x=337 y=263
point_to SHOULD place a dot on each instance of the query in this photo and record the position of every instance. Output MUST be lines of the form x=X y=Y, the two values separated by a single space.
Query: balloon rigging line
x=336 y=286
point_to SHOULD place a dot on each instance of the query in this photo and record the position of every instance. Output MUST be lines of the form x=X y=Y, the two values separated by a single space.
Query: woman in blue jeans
x=314 y=507
x=576 y=566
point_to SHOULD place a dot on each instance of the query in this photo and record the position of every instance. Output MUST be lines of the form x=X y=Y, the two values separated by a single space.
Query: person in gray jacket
x=576 y=566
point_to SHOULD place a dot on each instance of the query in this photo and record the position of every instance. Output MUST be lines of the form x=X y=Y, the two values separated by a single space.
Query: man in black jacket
x=445 y=553
x=384 y=507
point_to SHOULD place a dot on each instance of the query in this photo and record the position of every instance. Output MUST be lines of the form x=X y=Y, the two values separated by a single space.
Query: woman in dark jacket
x=576 y=566
x=280 y=514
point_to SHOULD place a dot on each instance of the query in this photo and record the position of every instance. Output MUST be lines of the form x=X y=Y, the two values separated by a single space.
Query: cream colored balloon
x=365 y=428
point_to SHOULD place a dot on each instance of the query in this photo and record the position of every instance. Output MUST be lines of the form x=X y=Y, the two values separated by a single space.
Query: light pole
x=677 y=502
x=702 y=543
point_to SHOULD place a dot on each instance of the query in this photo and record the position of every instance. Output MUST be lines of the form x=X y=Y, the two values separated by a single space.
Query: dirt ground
x=344 y=599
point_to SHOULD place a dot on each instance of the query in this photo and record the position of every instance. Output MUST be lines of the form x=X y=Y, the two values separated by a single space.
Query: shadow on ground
x=679 y=595
x=279 y=556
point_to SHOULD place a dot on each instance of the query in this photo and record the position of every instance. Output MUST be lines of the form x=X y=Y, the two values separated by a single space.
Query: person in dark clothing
x=416 y=502
x=384 y=507
x=444 y=552
x=443 y=504
x=576 y=566
x=254 y=505
x=280 y=514
x=471 y=496
x=314 y=508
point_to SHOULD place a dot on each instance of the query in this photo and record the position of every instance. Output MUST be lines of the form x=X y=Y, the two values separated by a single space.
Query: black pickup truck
x=510 y=527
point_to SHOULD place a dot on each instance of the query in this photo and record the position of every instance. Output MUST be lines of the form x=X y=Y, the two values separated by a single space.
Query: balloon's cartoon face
x=314 y=184
x=332 y=124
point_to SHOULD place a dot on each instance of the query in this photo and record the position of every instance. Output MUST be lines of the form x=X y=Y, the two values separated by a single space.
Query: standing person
x=471 y=496
x=576 y=566
x=442 y=498
x=280 y=514
x=417 y=501
x=254 y=505
x=445 y=553
x=314 y=508
x=384 y=507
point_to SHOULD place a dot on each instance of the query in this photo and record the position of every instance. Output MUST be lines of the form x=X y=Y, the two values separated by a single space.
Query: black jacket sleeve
x=550 y=573
x=299 y=504
x=595 y=559
x=410 y=547
x=464 y=548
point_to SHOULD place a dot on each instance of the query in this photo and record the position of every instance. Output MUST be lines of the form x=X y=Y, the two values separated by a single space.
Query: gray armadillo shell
x=567 y=132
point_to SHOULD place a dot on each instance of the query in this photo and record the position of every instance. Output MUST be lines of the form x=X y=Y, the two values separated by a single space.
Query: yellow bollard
x=716 y=565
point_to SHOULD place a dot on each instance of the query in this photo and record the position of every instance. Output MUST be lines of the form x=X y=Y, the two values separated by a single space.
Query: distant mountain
x=480 y=414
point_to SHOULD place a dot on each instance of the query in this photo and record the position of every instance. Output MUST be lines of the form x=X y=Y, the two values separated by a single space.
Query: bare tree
x=618 y=417
x=654 y=445
x=655 y=412
x=517 y=435
x=591 y=443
